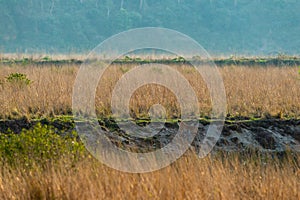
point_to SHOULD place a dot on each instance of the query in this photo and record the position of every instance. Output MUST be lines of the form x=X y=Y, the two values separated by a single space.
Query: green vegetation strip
x=263 y=61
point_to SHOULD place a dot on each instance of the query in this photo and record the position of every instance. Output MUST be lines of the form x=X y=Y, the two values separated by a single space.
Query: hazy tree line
x=221 y=26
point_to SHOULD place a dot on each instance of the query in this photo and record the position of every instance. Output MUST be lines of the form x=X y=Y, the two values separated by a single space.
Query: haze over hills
x=222 y=27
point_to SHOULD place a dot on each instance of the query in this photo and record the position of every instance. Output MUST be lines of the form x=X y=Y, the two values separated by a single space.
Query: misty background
x=222 y=27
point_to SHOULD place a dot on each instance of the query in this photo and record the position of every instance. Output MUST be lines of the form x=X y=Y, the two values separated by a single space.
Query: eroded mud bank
x=269 y=135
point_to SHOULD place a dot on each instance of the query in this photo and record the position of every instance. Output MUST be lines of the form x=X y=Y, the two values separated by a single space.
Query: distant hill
x=223 y=27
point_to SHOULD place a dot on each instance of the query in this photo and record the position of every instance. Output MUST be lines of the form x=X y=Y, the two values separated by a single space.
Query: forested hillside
x=223 y=27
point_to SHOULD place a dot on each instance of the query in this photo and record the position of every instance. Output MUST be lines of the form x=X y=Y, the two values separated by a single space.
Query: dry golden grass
x=251 y=91
x=236 y=177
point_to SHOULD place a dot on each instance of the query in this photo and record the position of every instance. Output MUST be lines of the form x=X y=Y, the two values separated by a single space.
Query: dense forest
x=223 y=27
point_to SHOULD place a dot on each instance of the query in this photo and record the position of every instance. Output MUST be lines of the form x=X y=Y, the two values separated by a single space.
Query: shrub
x=18 y=78
x=38 y=146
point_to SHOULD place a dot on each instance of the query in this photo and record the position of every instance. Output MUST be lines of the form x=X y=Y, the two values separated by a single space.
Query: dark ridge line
x=288 y=61
x=16 y=125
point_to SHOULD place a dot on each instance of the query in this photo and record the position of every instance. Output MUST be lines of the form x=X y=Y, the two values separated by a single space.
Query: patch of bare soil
x=269 y=135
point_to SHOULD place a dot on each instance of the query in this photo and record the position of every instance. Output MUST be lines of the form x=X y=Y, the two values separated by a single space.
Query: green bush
x=38 y=146
x=18 y=78
x=178 y=59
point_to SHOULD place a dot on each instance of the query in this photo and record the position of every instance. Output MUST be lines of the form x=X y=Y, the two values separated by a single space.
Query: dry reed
x=251 y=91
x=236 y=177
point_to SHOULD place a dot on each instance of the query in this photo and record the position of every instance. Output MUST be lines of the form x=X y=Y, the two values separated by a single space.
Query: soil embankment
x=270 y=135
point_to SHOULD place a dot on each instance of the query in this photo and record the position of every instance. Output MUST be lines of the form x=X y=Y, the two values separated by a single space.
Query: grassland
x=46 y=162
x=252 y=91
x=219 y=177
x=40 y=164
